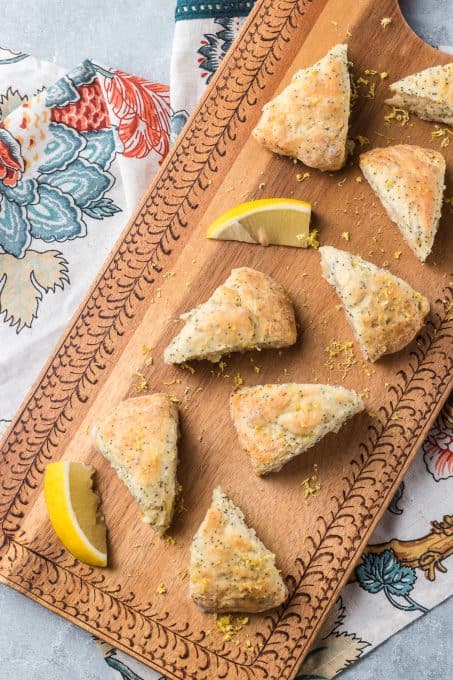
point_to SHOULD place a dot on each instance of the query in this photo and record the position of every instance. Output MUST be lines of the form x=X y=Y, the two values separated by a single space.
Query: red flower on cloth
x=88 y=113
x=143 y=112
x=438 y=453
x=11 y=161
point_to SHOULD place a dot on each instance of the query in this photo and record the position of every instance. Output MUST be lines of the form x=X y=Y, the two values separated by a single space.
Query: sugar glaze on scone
x=428 y=94
x=384 y=311
x=275 y=423
x=250 y=310
x=308 y=120
x=230 y=569
x=139 y=438
x=409 y=181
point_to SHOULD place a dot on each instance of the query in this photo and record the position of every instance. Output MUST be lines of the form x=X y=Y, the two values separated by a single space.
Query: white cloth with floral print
x=74 y=159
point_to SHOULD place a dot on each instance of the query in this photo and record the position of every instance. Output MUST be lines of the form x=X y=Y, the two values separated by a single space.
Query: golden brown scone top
x=139 y=438
x=428 y=93
x=383 y=310
x=409 y=180
x=275 y=423
x=249 y=310
x=309 y=119
x=231 y=570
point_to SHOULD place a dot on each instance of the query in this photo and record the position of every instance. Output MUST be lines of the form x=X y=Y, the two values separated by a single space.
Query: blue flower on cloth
x=71 y=184
x=55 y=153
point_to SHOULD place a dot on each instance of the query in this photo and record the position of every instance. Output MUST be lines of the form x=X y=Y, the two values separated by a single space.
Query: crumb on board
x=142 y=384
x=443 y=134
x=367 y=368
x=237 y=380
x=170 y=540
x=229 y=625
x=302 y=177
x=359 y=179
x=398 y=114
x=362 y=140
x=383 y=75
x=311 y=484
x=174 y=399
x=386 y=21
x=342 y=181
x=183 y=575
x=340 y=356
x=146 y=350
x=161 y=589
x=187 y=367
x=309 y=240
x=346 y=236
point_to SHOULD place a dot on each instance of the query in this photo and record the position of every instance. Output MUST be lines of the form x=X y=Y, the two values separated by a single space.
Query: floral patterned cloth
x=77 y=150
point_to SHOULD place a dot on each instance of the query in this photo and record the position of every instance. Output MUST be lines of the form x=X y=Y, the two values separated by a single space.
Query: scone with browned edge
x=309 y=119
x=275 y=423
x=409 y=181
x=385 y=313
x=139 y=439
x=249 y=311
x=230 y=569
x=428 y=94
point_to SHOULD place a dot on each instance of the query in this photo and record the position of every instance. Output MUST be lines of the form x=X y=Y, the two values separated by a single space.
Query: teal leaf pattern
x=15 y=234
x=61 y=93
x=383 y=572
x=100 y=147
x=62 y=149
x=379 y=571
x=84 y=181
x=104 y=207
x=24 y=193
x=56 y=217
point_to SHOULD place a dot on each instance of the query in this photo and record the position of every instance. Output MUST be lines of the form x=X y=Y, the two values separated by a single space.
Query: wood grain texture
x=162 y=266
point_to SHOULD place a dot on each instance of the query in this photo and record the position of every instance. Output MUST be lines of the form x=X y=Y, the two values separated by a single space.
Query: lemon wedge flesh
x=73 y=509
x=267 y=221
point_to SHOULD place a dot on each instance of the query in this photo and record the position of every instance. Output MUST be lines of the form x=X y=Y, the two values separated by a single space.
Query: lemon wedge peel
x=57 y=493
x=266 y=221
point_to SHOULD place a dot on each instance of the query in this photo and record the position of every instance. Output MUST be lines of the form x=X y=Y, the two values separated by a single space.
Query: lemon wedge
x=73 y=509
x=267 y=221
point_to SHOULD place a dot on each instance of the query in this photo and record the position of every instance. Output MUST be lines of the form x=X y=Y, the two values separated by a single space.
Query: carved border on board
x=335 y=541
x=96 y=333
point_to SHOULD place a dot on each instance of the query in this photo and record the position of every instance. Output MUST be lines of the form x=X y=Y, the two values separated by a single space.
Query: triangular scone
x=428 y=94
x=309 y=119
x=409 y=181
x=139 y=439
x=250 y=310
x=230 y=569
x=275 y=423
x=385 y=313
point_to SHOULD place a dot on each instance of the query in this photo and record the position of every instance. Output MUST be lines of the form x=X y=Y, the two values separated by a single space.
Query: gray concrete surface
x=135 y=35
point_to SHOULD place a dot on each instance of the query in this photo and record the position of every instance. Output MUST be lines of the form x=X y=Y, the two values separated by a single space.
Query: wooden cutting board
x=163 y=266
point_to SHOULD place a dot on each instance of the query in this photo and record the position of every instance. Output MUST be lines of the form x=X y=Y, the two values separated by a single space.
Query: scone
x=409 y=181
x=249 y=311
x=428 y=94
x=275 y=423
x=139 y=438
x=385 y=313
x=309 y=119
x=230 y=569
